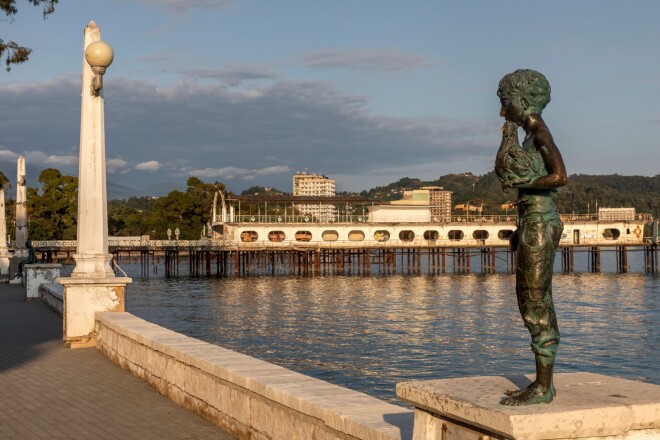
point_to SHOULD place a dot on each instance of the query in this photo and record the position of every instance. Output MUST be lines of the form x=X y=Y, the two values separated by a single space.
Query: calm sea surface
x=370 y=332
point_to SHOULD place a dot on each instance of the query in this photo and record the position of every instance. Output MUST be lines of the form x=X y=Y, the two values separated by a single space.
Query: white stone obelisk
x=21 y=210
x=4 y=250
x=92 y=286
x=92 y=257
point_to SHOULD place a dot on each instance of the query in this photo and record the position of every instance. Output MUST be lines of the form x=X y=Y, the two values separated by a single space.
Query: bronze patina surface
x=535 y=169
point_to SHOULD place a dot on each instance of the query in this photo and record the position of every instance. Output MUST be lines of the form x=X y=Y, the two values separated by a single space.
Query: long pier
x=216 y=257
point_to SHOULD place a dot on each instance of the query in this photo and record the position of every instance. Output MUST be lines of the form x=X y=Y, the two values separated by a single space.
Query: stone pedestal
x=38 y=274
x=83 y=297
x=587 y=406
x=13 y=266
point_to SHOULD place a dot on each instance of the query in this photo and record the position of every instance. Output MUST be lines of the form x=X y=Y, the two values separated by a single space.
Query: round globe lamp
x=99 y=55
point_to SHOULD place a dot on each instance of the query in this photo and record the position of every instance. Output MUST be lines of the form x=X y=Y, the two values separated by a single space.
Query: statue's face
x=514 y=109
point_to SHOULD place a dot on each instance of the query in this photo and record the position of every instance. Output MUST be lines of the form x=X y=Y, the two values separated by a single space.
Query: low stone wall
x=250 y=398
x=53 y=295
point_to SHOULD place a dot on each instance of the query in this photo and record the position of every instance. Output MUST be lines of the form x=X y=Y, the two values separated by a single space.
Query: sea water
x=370 y=332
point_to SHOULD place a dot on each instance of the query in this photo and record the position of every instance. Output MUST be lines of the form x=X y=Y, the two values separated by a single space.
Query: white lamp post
x=92 y=286
x=92 y=257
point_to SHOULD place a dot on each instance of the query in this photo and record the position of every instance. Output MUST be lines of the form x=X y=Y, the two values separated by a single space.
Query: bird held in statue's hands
x=513 y=165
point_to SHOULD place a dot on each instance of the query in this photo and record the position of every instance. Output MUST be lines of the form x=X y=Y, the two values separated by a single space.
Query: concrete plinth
x=587 y=406
x=13 y=266
x=4 y=264
x=83 y=297
x=37 y=274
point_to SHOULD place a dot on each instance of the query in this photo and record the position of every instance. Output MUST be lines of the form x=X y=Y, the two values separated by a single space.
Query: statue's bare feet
x=533 y=394
x=515 y=393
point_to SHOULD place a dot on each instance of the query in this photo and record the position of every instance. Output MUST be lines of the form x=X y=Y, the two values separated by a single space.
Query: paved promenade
x=48 y=391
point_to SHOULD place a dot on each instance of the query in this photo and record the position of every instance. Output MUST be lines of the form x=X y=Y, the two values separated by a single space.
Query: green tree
x=13 y=52
x=189 y=211
x=260 y=190
x=53 y=211
x=125 y=219
x=3 y=180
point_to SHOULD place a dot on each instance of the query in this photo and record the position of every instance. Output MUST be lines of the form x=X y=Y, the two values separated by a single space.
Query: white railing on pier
x=363 y=219
x=455 y=218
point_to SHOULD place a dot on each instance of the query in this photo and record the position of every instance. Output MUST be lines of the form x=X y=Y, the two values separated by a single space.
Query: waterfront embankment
x=53 y=391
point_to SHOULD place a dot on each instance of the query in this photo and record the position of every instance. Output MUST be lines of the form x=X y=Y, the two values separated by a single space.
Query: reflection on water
x=367 y=333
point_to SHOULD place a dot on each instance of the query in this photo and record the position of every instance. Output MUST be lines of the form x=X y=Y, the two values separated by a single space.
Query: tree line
x=53 y=210
x=52 y=207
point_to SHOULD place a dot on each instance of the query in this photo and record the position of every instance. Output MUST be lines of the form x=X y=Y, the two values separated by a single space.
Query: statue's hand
x=519 y=182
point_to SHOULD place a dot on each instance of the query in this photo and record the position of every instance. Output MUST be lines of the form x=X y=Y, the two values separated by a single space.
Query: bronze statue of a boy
x=535 y=169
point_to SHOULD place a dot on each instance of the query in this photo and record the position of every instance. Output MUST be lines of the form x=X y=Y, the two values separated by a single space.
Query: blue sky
x=248 y=92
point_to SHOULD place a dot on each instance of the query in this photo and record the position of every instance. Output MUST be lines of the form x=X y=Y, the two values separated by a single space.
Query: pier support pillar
x=587 y=406
x=92 y=286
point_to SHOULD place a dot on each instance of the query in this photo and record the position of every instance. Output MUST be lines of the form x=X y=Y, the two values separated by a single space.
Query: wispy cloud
x=39 y=157
x=232 y=76
x=115 y=165
x=8 y=155
x=371 y=60
x=151 y=165
x=61 y=160
x=157 y=57
x=233 y=172
x=214 y=132
x=186 y=5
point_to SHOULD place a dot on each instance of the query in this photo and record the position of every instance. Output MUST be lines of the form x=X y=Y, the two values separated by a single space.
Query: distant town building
x=616 y=214
x=315 y=185
x=440 y=200
x=425 y=205
x=397 y=213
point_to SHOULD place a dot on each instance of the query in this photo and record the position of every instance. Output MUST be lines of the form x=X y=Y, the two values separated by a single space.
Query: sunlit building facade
x=315 y=185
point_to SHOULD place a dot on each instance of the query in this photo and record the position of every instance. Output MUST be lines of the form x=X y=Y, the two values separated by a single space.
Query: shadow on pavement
x=24 y=327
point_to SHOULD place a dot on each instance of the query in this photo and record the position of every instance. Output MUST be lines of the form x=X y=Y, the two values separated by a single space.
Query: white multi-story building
x=315 y=185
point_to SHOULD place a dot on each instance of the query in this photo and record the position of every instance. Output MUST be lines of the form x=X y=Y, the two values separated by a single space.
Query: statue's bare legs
x=539 y=240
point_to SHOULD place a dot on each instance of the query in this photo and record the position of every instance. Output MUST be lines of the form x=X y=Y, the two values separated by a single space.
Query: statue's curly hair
x=527 y=83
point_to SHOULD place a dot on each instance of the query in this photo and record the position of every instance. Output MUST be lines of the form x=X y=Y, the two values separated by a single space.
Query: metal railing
x=133 y=242
x=454 y=218
x=363 y=219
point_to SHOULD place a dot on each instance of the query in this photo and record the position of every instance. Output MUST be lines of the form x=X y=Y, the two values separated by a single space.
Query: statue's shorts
x=539 y=235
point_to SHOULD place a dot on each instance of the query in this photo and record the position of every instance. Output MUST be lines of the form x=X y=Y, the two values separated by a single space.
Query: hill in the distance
x=121 y=192
x=584 y=193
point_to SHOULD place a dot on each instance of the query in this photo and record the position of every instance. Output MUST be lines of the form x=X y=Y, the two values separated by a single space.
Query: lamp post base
x=83 y=297
x=92 y=266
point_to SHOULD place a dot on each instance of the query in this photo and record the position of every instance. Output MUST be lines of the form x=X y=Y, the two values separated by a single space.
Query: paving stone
x=50 y=391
